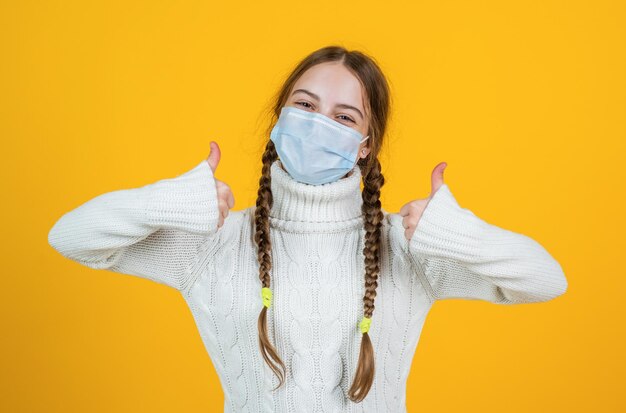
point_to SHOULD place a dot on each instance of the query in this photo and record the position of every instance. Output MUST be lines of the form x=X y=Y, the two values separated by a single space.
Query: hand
x=225 y=197
x=412 y=211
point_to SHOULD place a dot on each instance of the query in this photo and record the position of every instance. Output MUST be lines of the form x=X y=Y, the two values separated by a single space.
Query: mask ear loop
x=357 y=159
x=367 y=137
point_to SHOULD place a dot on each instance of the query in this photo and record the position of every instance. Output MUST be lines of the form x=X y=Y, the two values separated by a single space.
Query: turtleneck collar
x=300 y=206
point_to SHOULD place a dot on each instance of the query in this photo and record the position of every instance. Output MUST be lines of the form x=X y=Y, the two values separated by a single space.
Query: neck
x=315 y=207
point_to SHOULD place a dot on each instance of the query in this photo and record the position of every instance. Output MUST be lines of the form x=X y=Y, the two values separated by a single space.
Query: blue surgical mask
x=313 y=148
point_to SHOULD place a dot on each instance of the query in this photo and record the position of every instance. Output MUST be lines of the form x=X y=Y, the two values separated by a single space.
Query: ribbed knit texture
x=167 y=232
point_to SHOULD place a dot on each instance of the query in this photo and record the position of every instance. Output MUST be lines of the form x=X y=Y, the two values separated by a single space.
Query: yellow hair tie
x=266 y=294
x=365 y=324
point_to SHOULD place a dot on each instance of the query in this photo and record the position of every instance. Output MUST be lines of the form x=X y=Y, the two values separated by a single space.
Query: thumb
x=214 y=155
x=436 y=177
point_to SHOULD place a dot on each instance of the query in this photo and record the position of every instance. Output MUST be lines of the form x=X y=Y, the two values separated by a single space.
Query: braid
x=373 y=217
x=264 y=247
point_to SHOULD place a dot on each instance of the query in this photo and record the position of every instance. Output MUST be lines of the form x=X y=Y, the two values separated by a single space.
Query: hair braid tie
x=266 y=295
x=365 y=324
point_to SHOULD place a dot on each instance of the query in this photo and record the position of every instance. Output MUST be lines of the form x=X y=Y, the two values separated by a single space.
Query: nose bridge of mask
x=327 y=133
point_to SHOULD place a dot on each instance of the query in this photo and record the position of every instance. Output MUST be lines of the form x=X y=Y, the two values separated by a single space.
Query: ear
x=364 y=151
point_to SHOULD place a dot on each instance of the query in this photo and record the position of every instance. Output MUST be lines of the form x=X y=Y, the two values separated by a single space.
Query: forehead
x=333 y=83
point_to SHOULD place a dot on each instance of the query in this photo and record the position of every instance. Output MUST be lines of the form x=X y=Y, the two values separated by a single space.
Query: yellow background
x=524 y=100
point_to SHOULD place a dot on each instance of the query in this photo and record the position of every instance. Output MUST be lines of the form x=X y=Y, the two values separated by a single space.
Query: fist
x=225 y=197
x=412 y=211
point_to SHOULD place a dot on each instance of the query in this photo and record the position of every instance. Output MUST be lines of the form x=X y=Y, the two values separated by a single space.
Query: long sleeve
x=153 y=231
x=463 y=256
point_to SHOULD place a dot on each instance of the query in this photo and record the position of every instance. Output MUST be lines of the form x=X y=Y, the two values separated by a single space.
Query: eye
x=348 y=118
x=304 y=104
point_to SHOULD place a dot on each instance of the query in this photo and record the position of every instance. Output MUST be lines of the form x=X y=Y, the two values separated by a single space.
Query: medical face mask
x=313 y=148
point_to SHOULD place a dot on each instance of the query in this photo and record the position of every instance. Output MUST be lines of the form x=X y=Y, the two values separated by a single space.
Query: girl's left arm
x=462 y=256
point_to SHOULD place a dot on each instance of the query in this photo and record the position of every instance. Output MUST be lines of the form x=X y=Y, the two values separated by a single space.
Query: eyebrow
x=339 y=105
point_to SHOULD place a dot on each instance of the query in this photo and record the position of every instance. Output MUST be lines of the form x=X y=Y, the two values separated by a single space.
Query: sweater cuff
x=446 y=230
x=187 y=202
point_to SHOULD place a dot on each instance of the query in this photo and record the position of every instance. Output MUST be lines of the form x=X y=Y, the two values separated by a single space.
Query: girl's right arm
x=153 y=231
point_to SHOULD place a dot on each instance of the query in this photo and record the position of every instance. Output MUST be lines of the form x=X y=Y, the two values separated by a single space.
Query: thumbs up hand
x=226 y=200
x=412 y=211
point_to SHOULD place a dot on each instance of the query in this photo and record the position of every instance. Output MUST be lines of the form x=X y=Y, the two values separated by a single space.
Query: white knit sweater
x=167 y=232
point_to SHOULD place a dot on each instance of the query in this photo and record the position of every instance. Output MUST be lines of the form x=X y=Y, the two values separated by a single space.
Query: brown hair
x=378 y=102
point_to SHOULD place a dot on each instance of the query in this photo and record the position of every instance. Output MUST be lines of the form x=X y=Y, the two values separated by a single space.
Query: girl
x=283 y=292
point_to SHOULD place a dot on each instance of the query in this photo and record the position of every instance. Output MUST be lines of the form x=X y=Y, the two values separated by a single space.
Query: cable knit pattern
x=167 y=232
